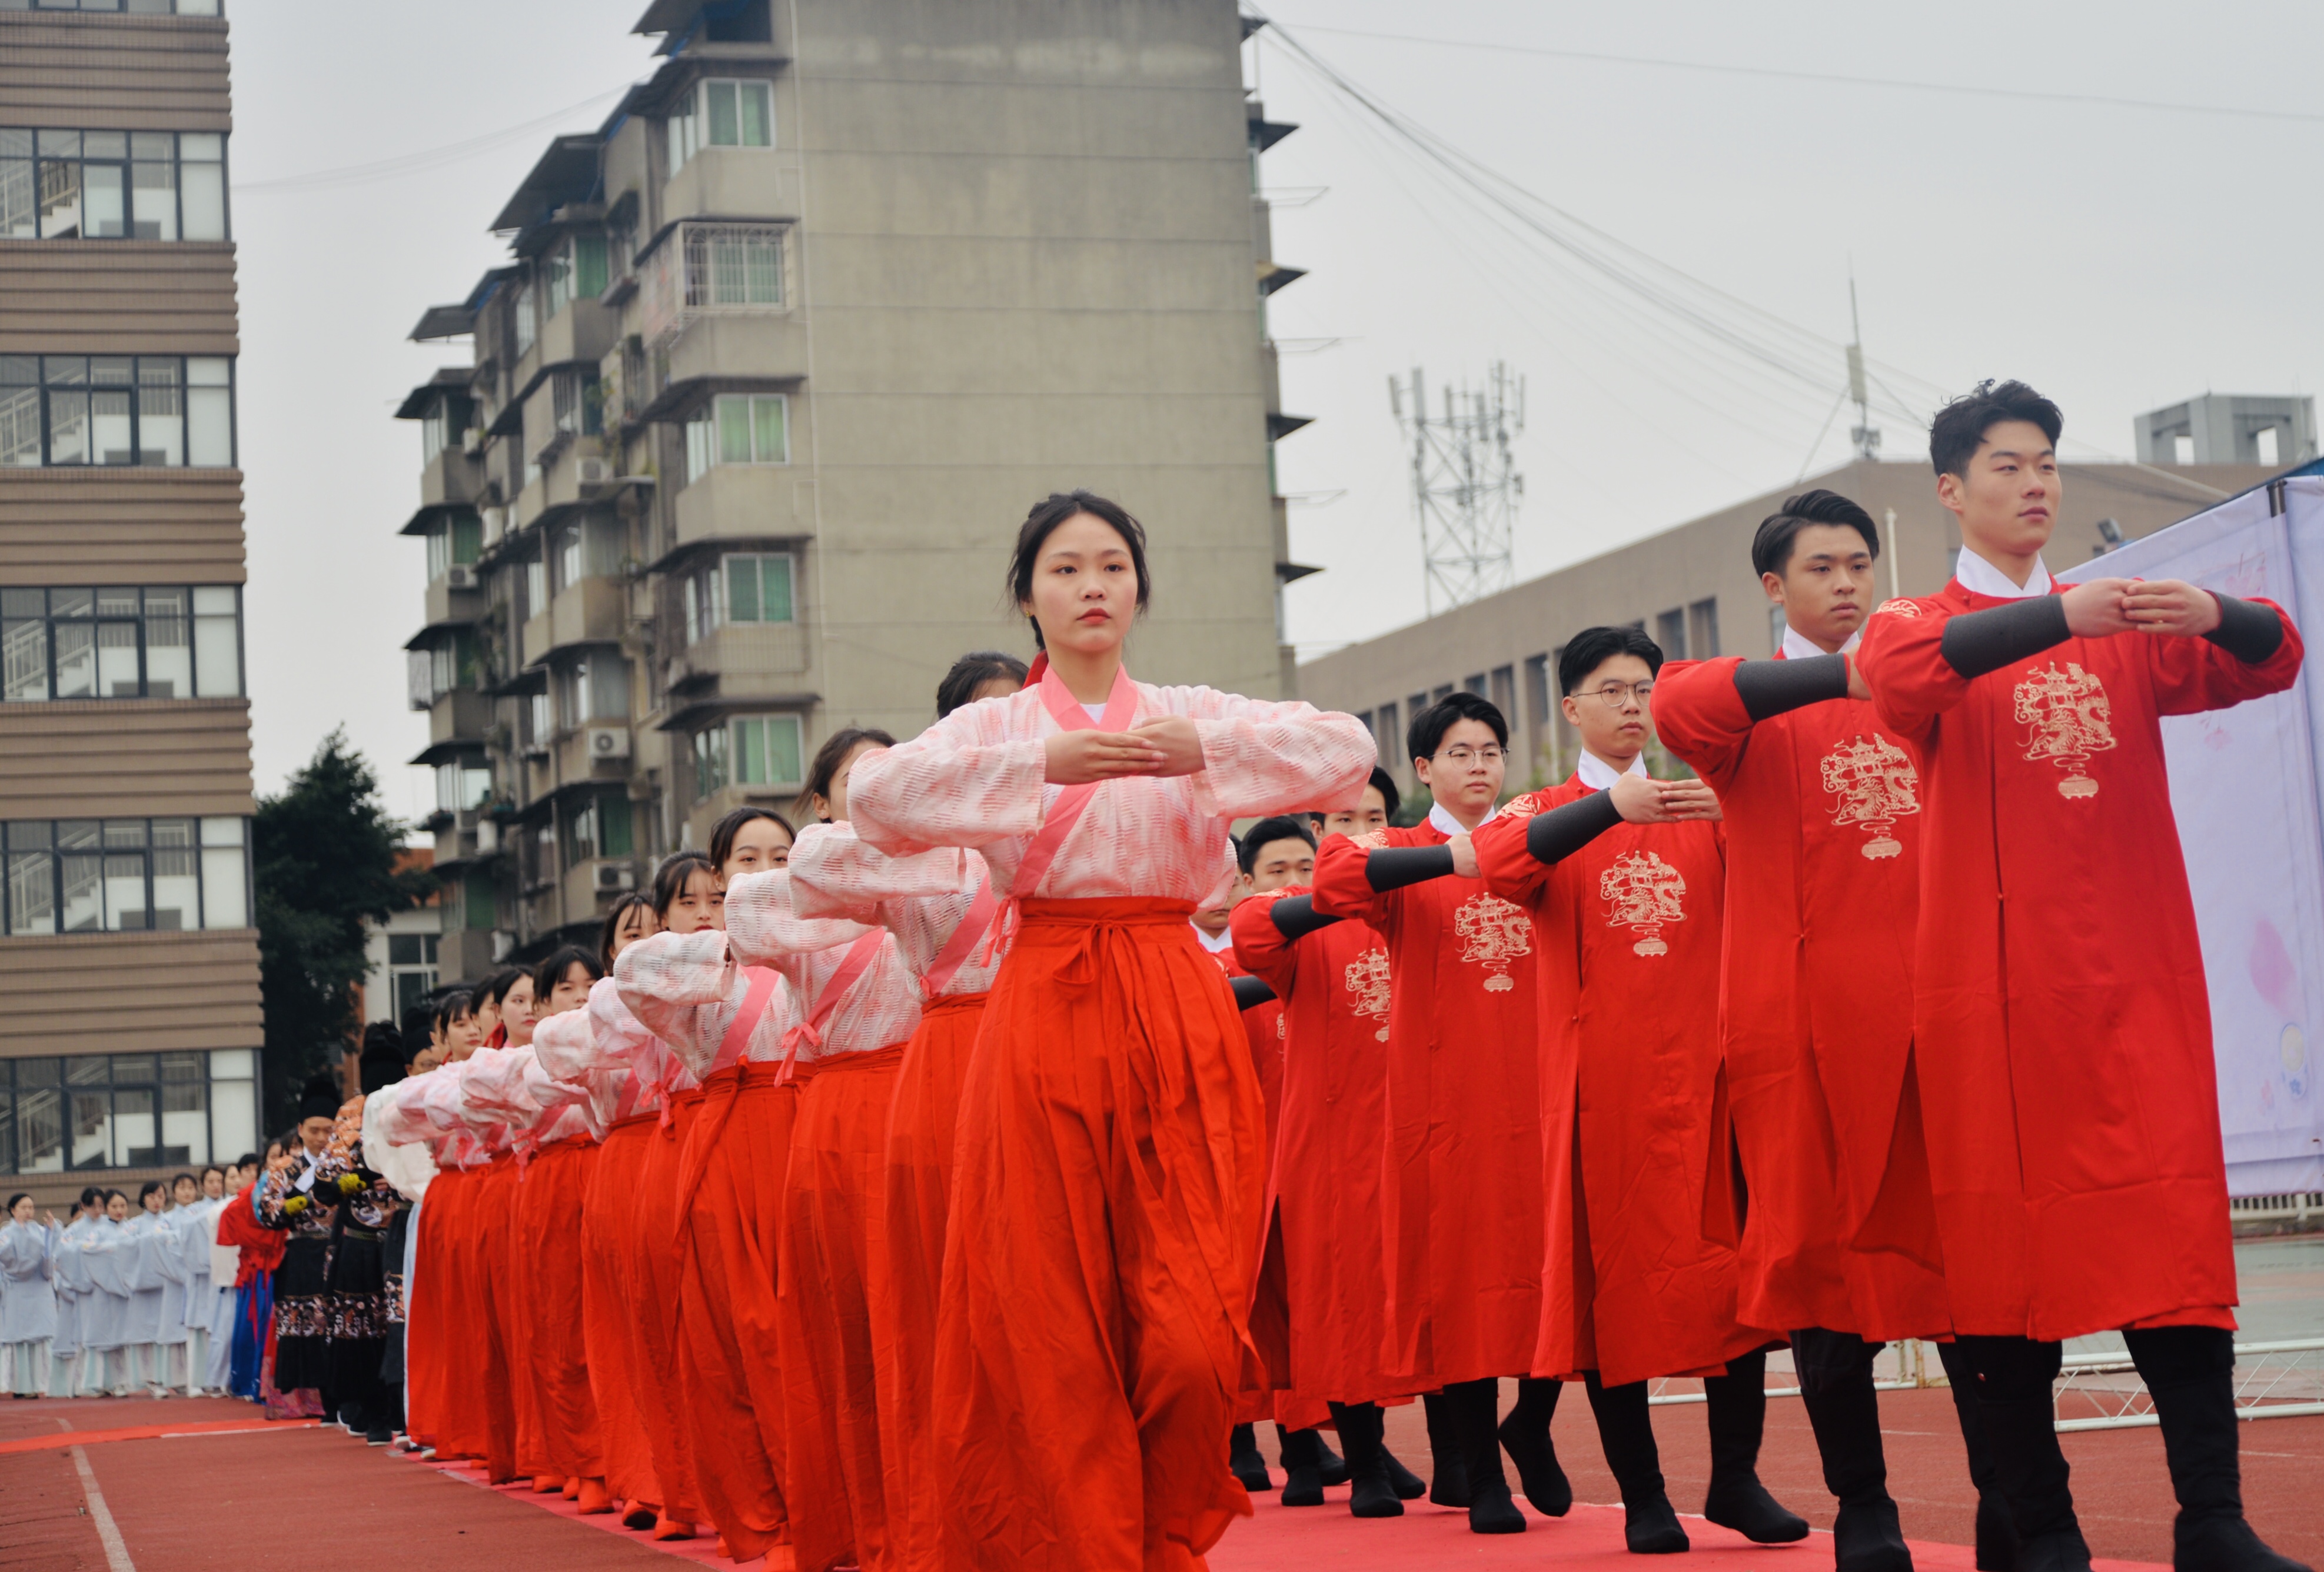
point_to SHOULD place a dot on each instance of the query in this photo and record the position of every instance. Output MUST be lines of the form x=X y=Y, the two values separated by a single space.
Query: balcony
x=743 y=660
x=454 y=478
x=763 y=348
x=576 y=762
x=530 y=502
x=447 y=605
x=736 y=182
x=595 y=610
x=583 y=331
x=461 y=715
x=743 y=501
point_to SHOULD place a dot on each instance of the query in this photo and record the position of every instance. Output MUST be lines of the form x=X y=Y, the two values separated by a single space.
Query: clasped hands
x=1165 y=746
x=2104 y=606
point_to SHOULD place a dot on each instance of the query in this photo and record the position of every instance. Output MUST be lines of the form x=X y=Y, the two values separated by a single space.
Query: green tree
x=324 y=859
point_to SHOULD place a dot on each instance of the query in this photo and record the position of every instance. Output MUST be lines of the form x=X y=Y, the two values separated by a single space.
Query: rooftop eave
x=423 y=398
x=428 y=513
x=564 y=174
x=1281 y=424
x=681 y=398
x=683 y=715
x=1274 y=275
x=1289 y=572
x=451 y=752
x=438 y=322
x=1266 y=133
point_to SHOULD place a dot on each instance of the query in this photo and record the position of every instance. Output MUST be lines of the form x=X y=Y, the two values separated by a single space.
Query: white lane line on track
x=117 y=1553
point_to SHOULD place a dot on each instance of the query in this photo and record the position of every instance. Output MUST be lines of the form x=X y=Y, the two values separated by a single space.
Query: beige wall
x=1709 y=558
x=109 y=72
x=116 y=526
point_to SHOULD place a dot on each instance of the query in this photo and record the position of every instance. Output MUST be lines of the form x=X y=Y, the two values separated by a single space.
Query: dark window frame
x=52 y=384
x=50 y=619
x=22 y=839
x=126 y=162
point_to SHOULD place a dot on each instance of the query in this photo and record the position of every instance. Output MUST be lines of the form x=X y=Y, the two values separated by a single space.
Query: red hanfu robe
x=1638 y=1268
x=1460 y=1199
x=1823 y=816
x=1323 y=1198
x=2062 y=1028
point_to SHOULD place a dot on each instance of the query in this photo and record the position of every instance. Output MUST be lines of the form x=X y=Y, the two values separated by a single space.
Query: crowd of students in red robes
x=959 y=1181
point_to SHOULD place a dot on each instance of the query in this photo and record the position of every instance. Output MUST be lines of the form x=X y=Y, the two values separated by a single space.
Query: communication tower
x=1465 y=487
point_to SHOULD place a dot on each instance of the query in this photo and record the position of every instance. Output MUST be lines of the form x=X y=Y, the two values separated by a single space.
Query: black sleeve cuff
x=1977 y=642
x=1771 y=687
x=2247 y=630
x=1296 y=916
x=1250 y=992
x=1559 y=833
x=1394 y=867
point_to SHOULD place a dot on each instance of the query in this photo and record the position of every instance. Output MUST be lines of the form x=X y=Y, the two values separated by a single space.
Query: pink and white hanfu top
x=433 y=1107
x=510 y=1089
x=975 y=778
x=606 y=1049
x=924 y=900
x=851 y=1002
x=683 y=989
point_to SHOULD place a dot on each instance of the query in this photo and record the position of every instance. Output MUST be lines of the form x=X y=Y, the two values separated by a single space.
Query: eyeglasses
x=1617 y=694
x=1462 y=757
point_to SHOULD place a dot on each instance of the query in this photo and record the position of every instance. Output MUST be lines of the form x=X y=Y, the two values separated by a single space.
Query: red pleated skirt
x=904 y=1295
x=657 y=1247
x=479 y=1410
x=607 y=1291
x=835 y=1242
x=1107 y=1190
x=550 y=1193
x=430 y=1339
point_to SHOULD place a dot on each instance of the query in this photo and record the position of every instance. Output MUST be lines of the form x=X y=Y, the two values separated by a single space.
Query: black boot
x=1334 y=1468
x=1371 y=1494
x=1738 y=1406
x=1407 y=1485
x=1244 y=1461
x=1627 y=1432
x=1524 y=1437
x=1448 y=1482
x=2190 y=1372
x=2018 y=1416
x=1476 y=1405
x=1997 y=1535
x=1302 y=1482
x=1844 y=1411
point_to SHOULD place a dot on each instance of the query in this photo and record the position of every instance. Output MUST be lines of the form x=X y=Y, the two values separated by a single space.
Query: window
x=460 y=540
x=117 y=409
x=739 y=428
x=596 y=825
x=445 y=424
x=177 y=642
x=1475 y=684
x=577 y=407
x=112 y=185
x=135 y=7
x=462 y=784
x=451 y=665
x=1669 y=632
x=1776 y=626
x=520 y=306
x=479 y=902
x=2264 y=440
x=721 y=113
x=1505 y=692
x=595 y=688
x=1702 y=629
x=2182 y=450
x=568 y=556
x=734 y=265
x=410 y=971
x=116 y=875
x=1384 y=732
x=757 y=750
x=1537 y=680
x=576 y=270
x=127 y=1110
x=757 y=588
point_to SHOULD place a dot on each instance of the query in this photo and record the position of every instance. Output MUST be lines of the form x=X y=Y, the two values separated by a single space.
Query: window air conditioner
x=609 y=742
x=615 y=876
x=593 y=472
x=460 y=575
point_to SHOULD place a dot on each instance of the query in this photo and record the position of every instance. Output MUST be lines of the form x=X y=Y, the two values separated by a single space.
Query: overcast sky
x=2119 y=257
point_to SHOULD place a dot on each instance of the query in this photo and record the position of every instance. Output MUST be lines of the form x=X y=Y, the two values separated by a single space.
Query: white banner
x=2244 y=787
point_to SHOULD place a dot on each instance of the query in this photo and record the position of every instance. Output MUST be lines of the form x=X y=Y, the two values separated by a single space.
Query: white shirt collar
x=1223 y=942
x=1980 y=577
x=1598 y=775
x=1797 y=646
x=1447 y=824
x=1096 y=711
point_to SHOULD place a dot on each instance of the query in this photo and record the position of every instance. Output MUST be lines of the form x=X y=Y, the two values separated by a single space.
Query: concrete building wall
x=1506 y=645
x=127 y=1047
x=2230 y=428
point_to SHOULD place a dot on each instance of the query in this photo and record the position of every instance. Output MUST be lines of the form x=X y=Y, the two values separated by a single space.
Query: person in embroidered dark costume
x=296 y=1200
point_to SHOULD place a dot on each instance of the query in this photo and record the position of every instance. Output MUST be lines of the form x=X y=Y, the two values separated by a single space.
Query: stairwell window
x=118 y=876
x=166 y=411
x=739 y=428
x=721 y=113
x=159 y=642
x=111 y=185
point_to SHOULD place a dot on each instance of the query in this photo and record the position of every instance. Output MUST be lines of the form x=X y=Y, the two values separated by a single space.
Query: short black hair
x=1429 y=726
x=834 y=753
x=612 y=927
x=452 y=1007
x=1961 y=425
x=670 y=879
x=1771 y=547
x=1281 y=827
x=723 y=834
x=972 y=671
x=495 y=990
x=560 y=960
x=1592 y=647
x=1385 y=784
x=1042 y=523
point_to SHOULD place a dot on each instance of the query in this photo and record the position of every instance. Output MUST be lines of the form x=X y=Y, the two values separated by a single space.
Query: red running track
x=192 y=1503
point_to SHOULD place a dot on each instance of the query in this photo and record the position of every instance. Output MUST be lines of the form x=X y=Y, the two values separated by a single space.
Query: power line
x=412 y=163
x=1828 y=78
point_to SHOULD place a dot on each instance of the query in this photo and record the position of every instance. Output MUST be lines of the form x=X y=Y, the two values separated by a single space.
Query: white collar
x=1440 y=820
x=1797 y=646
x=1980 y=577
x=1218 y=946
x=1096 y=711
x=1598 y=775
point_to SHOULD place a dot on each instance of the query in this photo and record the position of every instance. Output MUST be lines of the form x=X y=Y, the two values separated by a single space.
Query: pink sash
x=963 y=942
x=809 y=1033
x=737 y=1040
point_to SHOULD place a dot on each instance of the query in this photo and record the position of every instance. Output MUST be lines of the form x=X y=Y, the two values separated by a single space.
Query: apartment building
x=780 y=355
x=129 y=1043
x=1691 y=588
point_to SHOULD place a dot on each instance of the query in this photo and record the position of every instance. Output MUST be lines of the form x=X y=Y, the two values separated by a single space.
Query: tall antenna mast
x=1866 y=436
x=1466 y=487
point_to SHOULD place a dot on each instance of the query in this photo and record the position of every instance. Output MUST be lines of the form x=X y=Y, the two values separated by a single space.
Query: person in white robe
x=29 y=1243
x=108 y=1253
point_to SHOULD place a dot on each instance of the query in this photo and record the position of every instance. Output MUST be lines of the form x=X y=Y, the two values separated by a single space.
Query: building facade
x=2272 y=431
x=1693 y=589
x=129 y=1043
x=780 y=357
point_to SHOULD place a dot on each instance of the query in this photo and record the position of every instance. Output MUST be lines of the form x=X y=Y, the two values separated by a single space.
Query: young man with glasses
x=1621 y=877
x=1823 y=817
x=2061 y=1029
x=1460 y=1196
